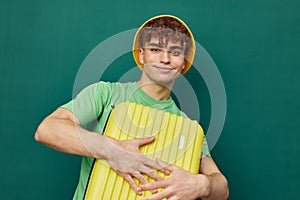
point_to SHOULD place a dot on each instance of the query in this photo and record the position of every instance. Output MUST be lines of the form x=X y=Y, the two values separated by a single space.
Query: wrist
x=94 y=143
x=109 y=145
x=204 y=185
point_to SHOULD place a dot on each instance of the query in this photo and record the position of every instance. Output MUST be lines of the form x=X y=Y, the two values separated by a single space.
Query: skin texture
x=62 y=131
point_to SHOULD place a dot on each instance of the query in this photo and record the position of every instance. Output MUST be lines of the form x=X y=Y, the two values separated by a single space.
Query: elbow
x=226 y=188
x=39 y=135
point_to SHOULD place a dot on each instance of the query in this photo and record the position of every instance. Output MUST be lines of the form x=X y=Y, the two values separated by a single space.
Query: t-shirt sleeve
x=205 y=149
x=89 y=103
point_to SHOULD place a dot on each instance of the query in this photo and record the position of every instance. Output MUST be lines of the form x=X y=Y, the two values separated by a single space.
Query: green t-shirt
x=93 y=105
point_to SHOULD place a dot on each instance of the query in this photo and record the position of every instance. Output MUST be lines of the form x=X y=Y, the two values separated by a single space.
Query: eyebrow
x=171 y=47
x=154 y=45
x=176 y=47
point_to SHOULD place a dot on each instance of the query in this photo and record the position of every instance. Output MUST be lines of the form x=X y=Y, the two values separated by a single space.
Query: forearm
x=62 y=131
x=218 y=187
x=67 y=136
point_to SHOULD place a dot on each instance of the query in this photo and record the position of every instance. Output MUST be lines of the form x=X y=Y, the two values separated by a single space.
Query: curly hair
x=165 y=29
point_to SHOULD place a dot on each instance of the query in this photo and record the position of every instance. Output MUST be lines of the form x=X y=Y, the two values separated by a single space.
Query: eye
x=155 y=49
x=175 y=52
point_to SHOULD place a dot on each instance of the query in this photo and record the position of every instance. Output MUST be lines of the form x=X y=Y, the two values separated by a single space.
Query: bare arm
x=61 y=130
x=218 y=186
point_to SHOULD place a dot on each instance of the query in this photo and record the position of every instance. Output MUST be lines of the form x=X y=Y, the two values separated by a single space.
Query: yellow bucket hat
x=190 y=54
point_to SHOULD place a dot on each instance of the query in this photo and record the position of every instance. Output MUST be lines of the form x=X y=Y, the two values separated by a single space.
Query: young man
x=164 y=49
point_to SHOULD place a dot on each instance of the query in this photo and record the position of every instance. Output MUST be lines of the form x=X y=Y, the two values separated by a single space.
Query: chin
x=165 y=79
x=164 y=82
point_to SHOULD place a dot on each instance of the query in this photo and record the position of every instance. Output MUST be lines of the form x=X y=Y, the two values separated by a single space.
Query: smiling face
x=166 y=28
x=162 y=61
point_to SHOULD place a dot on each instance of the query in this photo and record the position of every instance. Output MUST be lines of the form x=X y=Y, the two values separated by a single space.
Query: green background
x=254 y=43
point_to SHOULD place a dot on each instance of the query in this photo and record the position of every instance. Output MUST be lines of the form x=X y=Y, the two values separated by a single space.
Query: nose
x=164 y=57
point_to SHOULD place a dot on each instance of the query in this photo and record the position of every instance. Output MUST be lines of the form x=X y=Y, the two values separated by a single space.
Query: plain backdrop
x=254 y=43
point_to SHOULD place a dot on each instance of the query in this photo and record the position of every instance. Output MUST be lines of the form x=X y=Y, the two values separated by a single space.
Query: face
x=162 y=64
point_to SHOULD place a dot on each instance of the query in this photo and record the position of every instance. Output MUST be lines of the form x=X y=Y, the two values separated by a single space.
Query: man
x=164 y=49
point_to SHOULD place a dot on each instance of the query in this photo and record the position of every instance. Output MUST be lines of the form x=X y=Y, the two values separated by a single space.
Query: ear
x=141 y=56
x=182 y=68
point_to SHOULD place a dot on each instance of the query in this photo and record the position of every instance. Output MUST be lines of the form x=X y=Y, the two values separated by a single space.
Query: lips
x=164 y=68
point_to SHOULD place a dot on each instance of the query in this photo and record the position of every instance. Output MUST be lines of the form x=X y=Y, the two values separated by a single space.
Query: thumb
x=144 y=141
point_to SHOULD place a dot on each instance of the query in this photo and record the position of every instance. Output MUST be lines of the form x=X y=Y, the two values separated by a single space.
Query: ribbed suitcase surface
x=178 y=140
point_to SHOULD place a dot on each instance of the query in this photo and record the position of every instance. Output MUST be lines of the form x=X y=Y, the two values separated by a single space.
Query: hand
x=180 y=185
x=125 y=158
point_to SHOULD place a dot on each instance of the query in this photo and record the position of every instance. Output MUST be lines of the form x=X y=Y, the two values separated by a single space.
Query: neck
x=155 y=90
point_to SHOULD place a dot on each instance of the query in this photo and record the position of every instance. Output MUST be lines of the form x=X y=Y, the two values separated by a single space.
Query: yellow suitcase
x=178 y=140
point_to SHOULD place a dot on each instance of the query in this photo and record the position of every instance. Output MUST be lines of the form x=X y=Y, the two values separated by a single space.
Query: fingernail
x=139 y=191
x=154 y=191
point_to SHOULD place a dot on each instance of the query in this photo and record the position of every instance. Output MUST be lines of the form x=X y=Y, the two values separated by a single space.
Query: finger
x=131 y=182
x=165 y=171
x=157 y=196
x=173 y=198
x=142 y=179
x=155 y=185
x=164 y=165
x=152 y=174
x=150 y=163
x=154 y=165
x=144 y=141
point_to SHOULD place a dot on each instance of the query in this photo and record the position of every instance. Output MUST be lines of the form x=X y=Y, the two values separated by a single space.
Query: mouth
x=164 y=69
